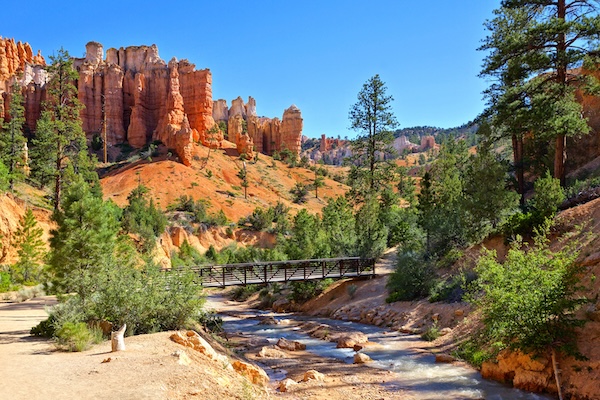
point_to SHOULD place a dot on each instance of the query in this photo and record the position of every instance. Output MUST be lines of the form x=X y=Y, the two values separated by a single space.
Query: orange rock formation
x=265 y=134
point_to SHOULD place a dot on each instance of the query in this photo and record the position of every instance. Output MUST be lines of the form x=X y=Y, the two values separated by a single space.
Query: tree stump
x=118 y=339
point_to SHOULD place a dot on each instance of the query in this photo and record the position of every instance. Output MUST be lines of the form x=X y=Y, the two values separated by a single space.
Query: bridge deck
x=284 y=271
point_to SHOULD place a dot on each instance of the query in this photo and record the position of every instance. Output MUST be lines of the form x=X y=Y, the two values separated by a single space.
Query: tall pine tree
x=60 y=136
x=534 y=49
x=372 y=117
x=12 y=141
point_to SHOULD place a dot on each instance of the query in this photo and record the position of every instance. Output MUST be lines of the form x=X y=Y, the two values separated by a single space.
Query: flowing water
x=417 y=372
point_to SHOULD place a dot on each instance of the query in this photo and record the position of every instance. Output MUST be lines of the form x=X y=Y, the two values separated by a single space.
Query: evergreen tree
x=318 y=182
x=534 y=48
x=41 y=158
x=371 y=233
x=83 y=245
x=62 y=136
x=339 y=225
x=12 y=141
x=373 y=118
x=3 y=177
x=243 y=175
x=142 y=217
x=487 y=199
x=31 y=250
x=307 y=239
x=406 y=186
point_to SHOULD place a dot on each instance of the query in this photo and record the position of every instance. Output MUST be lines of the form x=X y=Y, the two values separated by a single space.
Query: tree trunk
x=118 y=339
x=559 y=158
x=517 y=143
x=556 y=371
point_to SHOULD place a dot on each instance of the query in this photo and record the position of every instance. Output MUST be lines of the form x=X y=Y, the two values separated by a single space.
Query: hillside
x=215 y=180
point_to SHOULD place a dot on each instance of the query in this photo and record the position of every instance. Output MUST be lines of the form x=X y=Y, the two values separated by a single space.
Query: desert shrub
x=451 y=290
x=242 y=293
x=412 y=279
x=300 y=192
x=6 y=284
x=259 y=220
x=77 y=336
x=432 y=333
x=302 y=291
x=268 y=295
x=528 y=301
x=472 y=352
x=45 y=328
x=211 y=321
x=548 y=196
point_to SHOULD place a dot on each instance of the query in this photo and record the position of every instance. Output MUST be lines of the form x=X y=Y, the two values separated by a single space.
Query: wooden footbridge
x=284 y=271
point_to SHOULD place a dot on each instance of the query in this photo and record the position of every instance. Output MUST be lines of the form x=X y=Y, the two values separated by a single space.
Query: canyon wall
x=251 y=132
x=18 y=64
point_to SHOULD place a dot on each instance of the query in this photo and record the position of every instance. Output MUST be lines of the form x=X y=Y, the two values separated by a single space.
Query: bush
x=302 y=291
x=472 y=352
x=77 y=336
x=548 y=196
x=432 y=333
x=412 y=278
x=6 y=284
x=451 y=290
x=242 y=293
x=528 y=302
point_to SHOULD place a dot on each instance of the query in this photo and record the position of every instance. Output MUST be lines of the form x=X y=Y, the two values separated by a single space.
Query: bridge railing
x=284 y=271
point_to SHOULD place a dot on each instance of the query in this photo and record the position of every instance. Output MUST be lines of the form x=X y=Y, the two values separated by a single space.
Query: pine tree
x=83 y=245
x=12 y=140
x=41 y=159
x=339 y=225
x=535 y=47
x=372 y=234
x=318 y=182
x=243 y=175
x=373 y=118
x=62 y=136
x=31 y=250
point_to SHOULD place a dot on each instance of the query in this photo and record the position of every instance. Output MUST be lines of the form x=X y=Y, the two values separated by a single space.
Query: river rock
x=268 y=321
x=347 y=341
x=313 y=375
x=361 y=358
x=255 y=374
x=281 y=305
x=444 y=358
x=290 y=345
x=271 y=352
x=286 y=384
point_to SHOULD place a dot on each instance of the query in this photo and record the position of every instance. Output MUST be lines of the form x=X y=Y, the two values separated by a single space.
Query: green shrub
x=211 y=321
x=528 y=301
x=6 y=284
x=432 y=333
x=242 y=293
x=451 y=290
x=77 y=336
x=302 y=291
x=412 y=278
x=45 y=328
x=472 y=352
x=548 y=196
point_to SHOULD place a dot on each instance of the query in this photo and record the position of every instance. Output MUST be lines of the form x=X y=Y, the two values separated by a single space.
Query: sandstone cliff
x=17 y=63
x=262 y=134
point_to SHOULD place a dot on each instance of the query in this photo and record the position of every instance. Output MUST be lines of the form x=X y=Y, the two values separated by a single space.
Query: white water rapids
x=417 y=373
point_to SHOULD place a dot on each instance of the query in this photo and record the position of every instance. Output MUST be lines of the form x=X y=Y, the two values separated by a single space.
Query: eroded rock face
x=522 y=371
x=254 y=374
x=267 y=135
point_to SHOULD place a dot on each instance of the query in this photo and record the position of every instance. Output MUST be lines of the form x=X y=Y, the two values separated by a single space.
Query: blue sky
x=315 y=54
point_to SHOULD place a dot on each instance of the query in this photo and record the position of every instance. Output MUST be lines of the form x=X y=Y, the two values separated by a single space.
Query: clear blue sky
x=312 y=53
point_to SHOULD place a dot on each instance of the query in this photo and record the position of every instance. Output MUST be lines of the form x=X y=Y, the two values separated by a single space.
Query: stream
x=417 y=372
